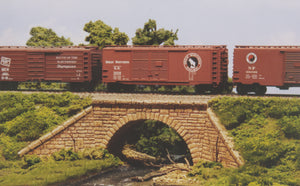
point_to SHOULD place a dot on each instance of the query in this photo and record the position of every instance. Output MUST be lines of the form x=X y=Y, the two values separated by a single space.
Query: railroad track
x=156 y=97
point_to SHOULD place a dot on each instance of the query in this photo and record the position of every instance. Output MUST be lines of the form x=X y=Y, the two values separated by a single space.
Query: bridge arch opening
x=152 y=137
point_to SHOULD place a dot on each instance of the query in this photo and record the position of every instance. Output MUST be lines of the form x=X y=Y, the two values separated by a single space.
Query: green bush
x=95 y=154
x=31 y=160
x=31 y=125
x=266 y=132
x=65 y=155
x=155 y=137
x=25 y=117
x=290 y=126
x=207 y=170
x=10 y=147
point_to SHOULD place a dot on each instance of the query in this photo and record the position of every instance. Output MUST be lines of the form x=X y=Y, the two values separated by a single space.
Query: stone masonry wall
x=95 y=126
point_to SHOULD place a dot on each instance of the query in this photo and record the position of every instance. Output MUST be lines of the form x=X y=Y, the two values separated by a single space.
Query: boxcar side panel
x=164 y=65
x=68 y=66
x=191 y=67
x=116 y=65
x=263 y=66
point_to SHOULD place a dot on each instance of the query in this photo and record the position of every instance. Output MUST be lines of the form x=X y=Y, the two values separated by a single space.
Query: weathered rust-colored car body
x=59 y=64
x=255 y=67
x=161 y=65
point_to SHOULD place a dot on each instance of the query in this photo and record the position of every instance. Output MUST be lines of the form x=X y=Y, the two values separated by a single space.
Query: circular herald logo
x=192 y=62
x=251 y=58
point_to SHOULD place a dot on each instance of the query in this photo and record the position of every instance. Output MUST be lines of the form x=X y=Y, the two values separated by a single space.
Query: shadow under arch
x=131 y=132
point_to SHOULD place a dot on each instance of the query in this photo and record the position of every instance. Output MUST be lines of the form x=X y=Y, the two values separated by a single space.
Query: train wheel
x=9 y=85
x=260 y=90
x=113 y=87
x=242 y=90
x=128 y=88
x=202 y=89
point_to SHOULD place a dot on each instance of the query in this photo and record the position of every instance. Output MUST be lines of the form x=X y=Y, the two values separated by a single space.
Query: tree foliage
x=41 y=36
x=25 y=118
x=101 y=34
x=155 y=137
x=150 y=35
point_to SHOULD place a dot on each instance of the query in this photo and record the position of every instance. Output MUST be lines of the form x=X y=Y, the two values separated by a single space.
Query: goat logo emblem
x=192 y=62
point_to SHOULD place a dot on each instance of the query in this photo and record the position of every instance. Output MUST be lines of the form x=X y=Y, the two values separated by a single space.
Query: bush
x=31 y=160
x=155 y=137
x=65 y=155
x=266 y=132
x=206 y=170
x=290 y=126
x=10 y=147
x=31 y=125
x=95 y=154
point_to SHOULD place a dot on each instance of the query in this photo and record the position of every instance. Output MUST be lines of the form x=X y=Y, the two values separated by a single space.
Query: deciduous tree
x=150 y=35
x=101 y=34
x=41 y=36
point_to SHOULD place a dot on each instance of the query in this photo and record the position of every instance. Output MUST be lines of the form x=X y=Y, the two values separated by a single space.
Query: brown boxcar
x=255 y=67
x=60 y=64
x=203 y=66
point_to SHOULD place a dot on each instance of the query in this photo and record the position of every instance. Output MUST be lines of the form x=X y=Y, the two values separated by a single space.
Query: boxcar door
x=140 y=66
x=159 y=65
x=36 y=65
x=292 y=67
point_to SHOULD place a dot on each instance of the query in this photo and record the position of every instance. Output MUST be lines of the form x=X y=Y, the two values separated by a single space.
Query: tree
x=101 y=34
x=149 y=35
x=41 y=36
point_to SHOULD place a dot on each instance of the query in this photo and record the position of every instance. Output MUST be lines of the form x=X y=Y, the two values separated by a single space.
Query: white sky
x=228 y=22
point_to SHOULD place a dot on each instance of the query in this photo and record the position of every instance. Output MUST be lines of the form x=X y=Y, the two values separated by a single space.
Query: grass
x=52 y=172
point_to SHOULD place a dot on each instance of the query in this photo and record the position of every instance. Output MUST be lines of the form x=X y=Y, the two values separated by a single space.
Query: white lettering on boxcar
x=66 y=66
x=66 y=62
x=66 y=57
x=109 y=62
x=117 y=75
x=122 y=62
x=5 y=61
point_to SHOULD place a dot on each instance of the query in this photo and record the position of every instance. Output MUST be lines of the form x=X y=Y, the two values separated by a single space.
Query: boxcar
x=75 y=65
x=205 y=67
x=256 y=67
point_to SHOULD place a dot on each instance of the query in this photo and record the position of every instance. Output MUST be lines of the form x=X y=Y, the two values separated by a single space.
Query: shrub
x=31 y=125
x=260 y=127
x=290 y=126
x=155 y=137
x=94 y=153
x=31 y=160
x=65 y=155
x=10 y=147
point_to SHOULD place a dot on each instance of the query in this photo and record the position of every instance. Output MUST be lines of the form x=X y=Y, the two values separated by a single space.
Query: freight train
x=122 y=68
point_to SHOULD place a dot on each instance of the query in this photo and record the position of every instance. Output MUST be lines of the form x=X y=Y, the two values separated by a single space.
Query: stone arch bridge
x=98 y=124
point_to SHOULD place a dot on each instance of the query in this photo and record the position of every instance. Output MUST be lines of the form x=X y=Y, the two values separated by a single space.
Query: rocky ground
x=177 y=177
